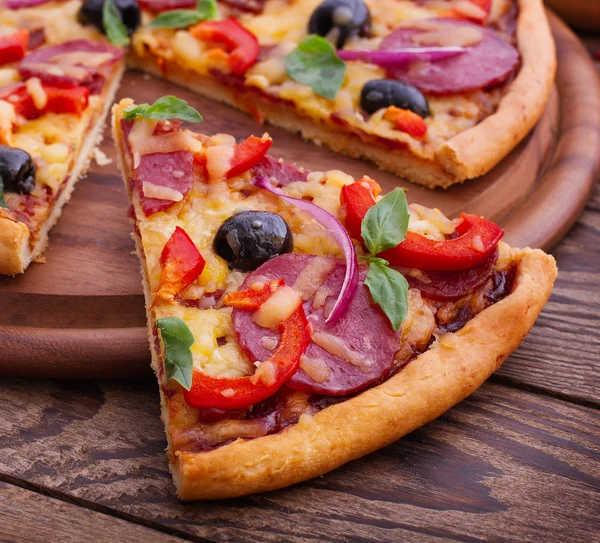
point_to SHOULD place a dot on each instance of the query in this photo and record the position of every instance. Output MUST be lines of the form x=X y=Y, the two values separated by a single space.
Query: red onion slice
x=396 y=58
x=333 y=227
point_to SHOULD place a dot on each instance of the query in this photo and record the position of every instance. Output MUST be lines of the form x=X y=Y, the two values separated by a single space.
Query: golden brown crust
x=14 y=246
x=476 y=151
x=432 y=383
x=470 y=154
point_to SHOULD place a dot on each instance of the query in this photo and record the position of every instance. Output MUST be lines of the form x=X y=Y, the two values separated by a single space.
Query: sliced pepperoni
x=364 y=330
x=451 y=285
x=76 y=62
x=164 y=5
x=487 y=63
x=248 y=6
x=171 y=170
x=284 y=172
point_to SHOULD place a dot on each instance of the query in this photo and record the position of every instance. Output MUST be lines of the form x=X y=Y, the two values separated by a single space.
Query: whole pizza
x=297 y=319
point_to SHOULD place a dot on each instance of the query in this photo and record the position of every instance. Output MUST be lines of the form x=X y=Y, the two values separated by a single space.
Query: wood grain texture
x=505 y=465
x=81 y=314
x=29 y=517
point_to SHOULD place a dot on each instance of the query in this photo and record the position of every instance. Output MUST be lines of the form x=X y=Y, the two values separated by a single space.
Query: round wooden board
x=81 y=314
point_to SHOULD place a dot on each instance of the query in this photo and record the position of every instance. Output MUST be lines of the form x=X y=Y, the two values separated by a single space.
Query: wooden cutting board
x=81 y=314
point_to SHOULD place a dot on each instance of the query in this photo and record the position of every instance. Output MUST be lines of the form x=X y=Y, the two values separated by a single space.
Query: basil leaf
x=115 y=29
x=177 y=339
x=385 y=224
x=2 y=200
x=182 y=18
x=165 y=108
x=315 y=63
x=389 y=290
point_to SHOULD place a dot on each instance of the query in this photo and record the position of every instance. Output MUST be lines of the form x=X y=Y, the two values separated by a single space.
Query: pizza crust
x=470 y=154
x=16 y=252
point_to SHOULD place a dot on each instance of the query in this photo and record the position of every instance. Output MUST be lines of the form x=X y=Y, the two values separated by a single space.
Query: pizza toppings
x=272 y=371
x=248 y=154
x=398 y=58
x=406 y=121
x=339 y=233
x=164 y=5
x=241 y=44
x=382 y=93
x=476 y=239
x=13 y=46
x=476 y=11
x=181 y=264
x=248 y=239
x=92 y=13
x=488 y=61
x=17 y=171
x=76 y=62
x=365 y=344
x=33 y=98
x=338 y=20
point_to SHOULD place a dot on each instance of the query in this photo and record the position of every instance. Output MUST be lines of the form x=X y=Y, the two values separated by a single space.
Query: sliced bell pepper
x=241 y=44
x=357 y=199
x=13 y=46
x=462 y=12
x=247 y=154
x=59 y=100
x=477 y=238
x=240 y=392
x=181 y=264
x=407 y=121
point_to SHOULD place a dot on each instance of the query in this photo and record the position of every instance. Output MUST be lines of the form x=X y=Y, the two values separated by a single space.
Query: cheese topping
x=161 y=192
x=37 y=92
x=338 y=347
x=278 y=308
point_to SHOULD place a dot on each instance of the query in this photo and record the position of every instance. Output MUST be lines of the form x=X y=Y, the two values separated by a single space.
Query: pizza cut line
x=54 y=95
x=299 y=320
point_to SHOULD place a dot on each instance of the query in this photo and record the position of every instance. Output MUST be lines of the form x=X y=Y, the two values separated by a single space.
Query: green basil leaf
x=389 y=290
x=315 y=63
x=177 y=339
x=165 y=108
x=182 y=18
x=115 y=29
x=385 y=224
x=2 y=200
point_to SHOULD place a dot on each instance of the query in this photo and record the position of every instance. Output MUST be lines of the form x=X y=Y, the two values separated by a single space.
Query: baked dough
x=470 y=154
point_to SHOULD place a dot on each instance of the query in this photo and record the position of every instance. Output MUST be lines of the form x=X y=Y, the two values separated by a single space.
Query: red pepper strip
x=181 y=264
x=477 y=238
x=485 y=5
x=406 y=121
x=253 y=298
x=241 y=44
x=59 y=100
x=357 y=199
x=13 y=46
x=240 y=392
x=247 y=154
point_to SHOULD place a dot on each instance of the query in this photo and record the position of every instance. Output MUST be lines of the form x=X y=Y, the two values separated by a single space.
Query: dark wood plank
x=503 y=465
x=28 y=517
x=562 y=353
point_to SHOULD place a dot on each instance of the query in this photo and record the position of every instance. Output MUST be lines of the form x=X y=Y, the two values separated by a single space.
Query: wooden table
x=517 y=461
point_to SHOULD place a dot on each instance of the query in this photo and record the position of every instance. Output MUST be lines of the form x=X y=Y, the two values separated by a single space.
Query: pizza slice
x=54 y=96
x=436 y=91
x=299 y=320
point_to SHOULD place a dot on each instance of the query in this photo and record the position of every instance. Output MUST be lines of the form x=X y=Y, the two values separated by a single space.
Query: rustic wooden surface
x=518 y=461
x=81 y=313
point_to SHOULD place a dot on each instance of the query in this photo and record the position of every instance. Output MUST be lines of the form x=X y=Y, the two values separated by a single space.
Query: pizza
x=57 y=82
x=299 y=319
x=435 y=91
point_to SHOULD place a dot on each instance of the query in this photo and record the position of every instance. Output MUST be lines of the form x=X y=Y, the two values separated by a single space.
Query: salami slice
x=164 y=5
x=363 y=334
x=284 y=172
x=169 y=170
x=76 y=62
x=451 y=285
x=489 y=62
